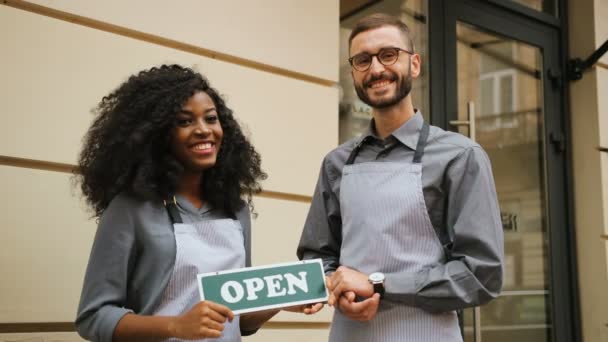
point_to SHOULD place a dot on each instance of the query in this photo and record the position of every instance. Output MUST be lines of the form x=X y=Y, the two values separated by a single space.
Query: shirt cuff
x=111 y=317
x=401 y=283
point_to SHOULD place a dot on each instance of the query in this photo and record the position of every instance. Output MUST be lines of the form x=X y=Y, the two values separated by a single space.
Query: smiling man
x=405 y=217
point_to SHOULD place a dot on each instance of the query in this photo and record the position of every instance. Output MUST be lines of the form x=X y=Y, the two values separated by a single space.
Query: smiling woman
x=132 y=145
x=197 y=134
x=196 y=138
x=165 y=150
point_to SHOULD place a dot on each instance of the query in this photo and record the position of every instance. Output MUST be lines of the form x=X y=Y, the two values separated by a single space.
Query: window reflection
x=502 y=78
x=546 y=6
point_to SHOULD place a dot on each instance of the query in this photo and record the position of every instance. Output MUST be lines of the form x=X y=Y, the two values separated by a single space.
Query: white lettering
x=237 y=288
x=253 y=285
x=292 y=281
x=273 y=283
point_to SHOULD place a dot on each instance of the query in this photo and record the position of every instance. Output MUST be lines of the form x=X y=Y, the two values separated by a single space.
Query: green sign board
x=265 y=287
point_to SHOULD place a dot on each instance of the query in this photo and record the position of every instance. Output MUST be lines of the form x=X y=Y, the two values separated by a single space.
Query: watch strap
x=379 y=288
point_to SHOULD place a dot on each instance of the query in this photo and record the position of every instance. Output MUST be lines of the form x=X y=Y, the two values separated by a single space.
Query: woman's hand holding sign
x=205 y=319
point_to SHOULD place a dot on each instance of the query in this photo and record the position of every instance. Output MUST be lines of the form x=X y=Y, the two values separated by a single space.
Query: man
x=385 y=202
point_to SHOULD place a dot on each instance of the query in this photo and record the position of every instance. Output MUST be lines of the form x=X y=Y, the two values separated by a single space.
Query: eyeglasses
x=386 y=56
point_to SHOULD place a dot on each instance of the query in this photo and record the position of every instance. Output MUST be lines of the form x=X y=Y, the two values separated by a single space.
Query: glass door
x=502 y=88
x=500 y=95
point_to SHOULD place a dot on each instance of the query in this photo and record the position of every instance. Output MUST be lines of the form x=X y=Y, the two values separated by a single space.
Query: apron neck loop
x=422 y=139
x=355 y=152
x=424 y=135
x=173 y=211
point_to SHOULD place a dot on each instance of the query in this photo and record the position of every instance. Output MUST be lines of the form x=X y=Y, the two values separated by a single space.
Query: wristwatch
x=377 y=280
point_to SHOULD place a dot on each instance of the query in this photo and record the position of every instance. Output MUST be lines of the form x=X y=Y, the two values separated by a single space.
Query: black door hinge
x=577 y=66
x=555 y=76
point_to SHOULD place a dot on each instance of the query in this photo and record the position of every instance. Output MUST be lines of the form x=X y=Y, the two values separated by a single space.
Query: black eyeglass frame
x=372 y=55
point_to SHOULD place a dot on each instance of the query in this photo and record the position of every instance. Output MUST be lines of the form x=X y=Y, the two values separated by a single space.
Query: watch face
x=376 y=277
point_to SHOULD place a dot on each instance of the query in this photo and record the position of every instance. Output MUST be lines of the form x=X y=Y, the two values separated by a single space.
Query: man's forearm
x=445 y=287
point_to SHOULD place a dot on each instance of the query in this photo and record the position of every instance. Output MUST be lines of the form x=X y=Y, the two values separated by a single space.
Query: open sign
x=265 y=287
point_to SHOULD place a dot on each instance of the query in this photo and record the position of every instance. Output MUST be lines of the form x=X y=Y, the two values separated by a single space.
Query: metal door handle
x=470 y=122
x=477 y=324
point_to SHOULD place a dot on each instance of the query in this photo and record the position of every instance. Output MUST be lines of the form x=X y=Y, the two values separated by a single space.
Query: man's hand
x=344 y=280
x=359 y=311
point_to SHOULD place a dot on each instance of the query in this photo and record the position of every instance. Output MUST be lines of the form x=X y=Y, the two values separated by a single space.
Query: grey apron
x=386 y=228
x=202 y=247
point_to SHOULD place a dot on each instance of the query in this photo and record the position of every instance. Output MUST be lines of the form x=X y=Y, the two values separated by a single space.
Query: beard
x=404 y=87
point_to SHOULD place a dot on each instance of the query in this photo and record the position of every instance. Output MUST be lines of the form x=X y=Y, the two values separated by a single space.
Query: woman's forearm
x=205 y=319
x=251 y=322
x=132 y=327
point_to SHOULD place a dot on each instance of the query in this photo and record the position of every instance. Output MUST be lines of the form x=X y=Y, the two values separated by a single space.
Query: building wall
x=589 y=108
x=276 y=70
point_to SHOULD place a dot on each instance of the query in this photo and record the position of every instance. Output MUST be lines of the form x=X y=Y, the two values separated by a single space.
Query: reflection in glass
x=502 y=77
x=354 y=114
x=546 y=6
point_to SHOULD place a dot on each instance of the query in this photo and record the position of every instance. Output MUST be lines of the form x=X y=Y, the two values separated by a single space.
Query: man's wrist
x=377 y=279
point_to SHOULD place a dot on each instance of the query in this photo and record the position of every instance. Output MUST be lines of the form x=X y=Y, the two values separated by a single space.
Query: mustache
x=381 y=77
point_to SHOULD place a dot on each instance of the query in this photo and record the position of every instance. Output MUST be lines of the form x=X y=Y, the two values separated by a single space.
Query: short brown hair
x=376 y=20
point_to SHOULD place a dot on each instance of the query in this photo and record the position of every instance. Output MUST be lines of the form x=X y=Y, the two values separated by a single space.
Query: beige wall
x=276 y=63
x=589 y=108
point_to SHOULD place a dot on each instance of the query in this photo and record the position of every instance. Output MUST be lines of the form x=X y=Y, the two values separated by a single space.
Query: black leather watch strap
x=379 y=288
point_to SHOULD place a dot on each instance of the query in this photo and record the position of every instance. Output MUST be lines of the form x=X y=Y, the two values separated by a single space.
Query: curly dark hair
x=127 y=148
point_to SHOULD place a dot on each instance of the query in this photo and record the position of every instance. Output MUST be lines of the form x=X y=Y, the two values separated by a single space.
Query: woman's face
x=197 y=134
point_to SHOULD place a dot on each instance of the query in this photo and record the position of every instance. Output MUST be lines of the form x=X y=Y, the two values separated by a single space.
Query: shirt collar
x=189 y=208
x=407 y=134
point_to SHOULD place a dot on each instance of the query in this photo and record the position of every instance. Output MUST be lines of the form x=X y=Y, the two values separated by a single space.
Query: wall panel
x=263 y=335
x=289 y=334
x=46 y=239
x=41 y=337
x=292 y=34
x=55 y=72
x=588 y=126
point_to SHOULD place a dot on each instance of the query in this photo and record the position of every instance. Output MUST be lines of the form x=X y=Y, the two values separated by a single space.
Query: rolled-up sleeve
x=322 y=233
x=104 y=291
x=473 y=275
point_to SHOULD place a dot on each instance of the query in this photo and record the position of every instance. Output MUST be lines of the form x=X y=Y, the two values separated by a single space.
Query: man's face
x=383 y=86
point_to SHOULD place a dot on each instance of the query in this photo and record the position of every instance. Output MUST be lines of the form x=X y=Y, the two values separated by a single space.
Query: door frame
x=546 y=33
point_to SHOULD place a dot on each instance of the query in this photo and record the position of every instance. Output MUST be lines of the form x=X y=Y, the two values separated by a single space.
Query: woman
x=165 y=167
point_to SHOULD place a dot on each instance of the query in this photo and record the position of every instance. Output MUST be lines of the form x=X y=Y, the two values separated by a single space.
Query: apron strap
x=446 y=243
x=424 y=135
x=442 y=234
x=173 y=211
x=422 y=139
x=355 y=152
